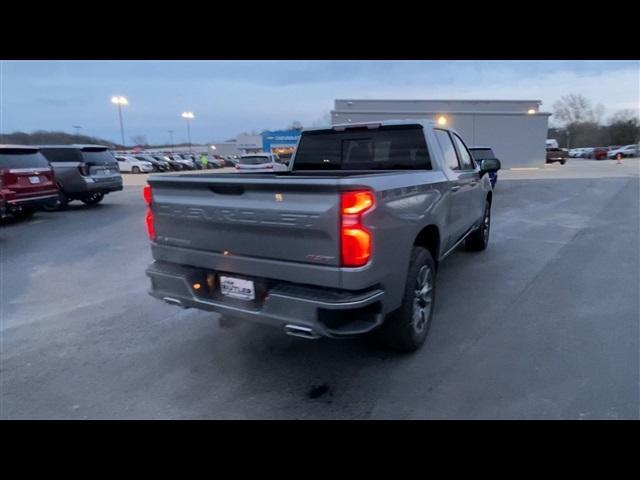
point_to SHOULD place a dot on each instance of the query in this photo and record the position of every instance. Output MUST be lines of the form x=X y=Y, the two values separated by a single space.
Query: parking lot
x=542 y=325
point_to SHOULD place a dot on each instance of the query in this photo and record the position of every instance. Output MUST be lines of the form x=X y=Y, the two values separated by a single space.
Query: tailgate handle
x=228 y=189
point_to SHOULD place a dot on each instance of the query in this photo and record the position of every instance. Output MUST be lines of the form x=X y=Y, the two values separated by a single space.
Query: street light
x=120 y=101
x=171 y=137
x=77 y=127
x=188 y=116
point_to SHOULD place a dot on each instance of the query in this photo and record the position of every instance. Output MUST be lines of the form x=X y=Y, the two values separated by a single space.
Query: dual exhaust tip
x=300 y=331
x=289 y=329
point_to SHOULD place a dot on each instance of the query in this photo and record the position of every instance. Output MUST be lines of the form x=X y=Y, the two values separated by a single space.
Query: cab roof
x=374 y=124
x=76 y=146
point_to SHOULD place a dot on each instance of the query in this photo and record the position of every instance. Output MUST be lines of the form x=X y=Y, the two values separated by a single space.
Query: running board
x=457 y=244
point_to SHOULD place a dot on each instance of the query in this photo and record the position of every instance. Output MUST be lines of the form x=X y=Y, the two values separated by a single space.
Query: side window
x=448 y=151
x=61 y=155
x=466 y=162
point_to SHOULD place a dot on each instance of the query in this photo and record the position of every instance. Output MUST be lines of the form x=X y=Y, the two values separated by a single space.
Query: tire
x=407 y=328
x=61 y=203
x=135 y=170
x=562 y=162
x=479 y=240
x=93 y=199
x=24 y=214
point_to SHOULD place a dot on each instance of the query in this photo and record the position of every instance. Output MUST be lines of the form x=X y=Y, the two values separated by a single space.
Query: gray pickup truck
x=346 y=242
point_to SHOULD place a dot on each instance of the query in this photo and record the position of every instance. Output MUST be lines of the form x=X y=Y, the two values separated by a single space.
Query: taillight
x=355 y=238
x=148 y=198
x=84 y=169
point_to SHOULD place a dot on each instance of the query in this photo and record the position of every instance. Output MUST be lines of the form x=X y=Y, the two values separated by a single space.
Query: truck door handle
x=455 y=188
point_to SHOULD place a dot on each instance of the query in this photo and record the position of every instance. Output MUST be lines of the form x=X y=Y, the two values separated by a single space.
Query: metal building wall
x=518 y=139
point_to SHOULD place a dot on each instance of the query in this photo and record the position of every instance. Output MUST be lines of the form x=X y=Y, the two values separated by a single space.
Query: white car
x=127 y=163
x=260 y=162
x=626 y=151
x=576 y=152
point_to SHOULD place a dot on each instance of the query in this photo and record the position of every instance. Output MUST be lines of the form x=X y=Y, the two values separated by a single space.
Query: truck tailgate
x=262 y=216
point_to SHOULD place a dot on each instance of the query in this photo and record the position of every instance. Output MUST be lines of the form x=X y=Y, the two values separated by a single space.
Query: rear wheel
x=93 y=199
x=135 y=170
x=479 y=240
x=406 y=329
x=24 y=213
x=60 y=203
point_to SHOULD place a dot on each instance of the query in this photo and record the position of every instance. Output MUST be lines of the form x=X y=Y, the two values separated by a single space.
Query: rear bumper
x=102 y=186
x=325 y=312
x=31 y=202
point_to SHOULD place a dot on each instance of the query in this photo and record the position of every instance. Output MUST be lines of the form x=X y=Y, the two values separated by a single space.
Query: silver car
x=260 y=162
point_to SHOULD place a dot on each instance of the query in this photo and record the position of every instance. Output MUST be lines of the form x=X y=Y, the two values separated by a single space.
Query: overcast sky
x=229 y=97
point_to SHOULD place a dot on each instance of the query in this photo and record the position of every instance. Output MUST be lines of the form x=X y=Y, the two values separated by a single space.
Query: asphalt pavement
x=542 y=325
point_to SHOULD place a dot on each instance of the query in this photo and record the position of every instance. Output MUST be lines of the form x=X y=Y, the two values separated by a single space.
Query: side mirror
x=489 y=165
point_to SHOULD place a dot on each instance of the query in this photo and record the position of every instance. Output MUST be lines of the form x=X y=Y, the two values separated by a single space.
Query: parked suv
x=83 y=172
x=599 y=153
x=26 y=181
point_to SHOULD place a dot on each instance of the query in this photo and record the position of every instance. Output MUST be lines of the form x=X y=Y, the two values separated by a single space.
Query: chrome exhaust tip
x=300 y=331
x=173 y=301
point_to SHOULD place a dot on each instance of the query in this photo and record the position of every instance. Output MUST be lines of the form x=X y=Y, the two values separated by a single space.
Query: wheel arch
x=429 y=238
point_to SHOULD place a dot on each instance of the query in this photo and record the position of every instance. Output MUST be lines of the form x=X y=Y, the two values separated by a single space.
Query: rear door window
x=448 y=150
x=60 y=155
x=466 y=162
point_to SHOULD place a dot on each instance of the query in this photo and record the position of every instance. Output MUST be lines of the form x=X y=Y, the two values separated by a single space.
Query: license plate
x=34 y=179
x=237 y=288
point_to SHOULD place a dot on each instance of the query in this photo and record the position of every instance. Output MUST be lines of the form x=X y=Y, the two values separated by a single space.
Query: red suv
x=26 y=181
x=599 y=153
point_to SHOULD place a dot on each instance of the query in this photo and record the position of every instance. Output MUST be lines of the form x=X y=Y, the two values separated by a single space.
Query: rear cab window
x=14 y=158
x=384 y=148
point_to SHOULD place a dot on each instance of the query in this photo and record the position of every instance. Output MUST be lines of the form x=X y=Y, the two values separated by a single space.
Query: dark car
x=556 y=155
x=27 y=181
x=158 y=165
x=173 y=165
x=83 y=172
x=599 y=153
x=483 y=153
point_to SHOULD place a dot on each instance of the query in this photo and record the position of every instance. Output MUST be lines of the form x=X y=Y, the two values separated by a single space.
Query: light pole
x=120 y=101
x=171 y=137
x=77 y=127
x=188 y=116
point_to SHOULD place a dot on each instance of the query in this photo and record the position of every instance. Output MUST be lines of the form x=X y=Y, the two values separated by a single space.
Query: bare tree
x=140 y=140
x=296 y=125
x=575 y=108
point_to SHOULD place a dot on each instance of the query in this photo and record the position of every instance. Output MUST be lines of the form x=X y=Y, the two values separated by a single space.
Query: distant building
x=515 y=129
x=281 y=142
